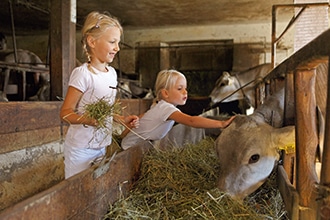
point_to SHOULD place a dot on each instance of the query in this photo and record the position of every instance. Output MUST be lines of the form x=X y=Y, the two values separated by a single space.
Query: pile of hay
x=181 y=184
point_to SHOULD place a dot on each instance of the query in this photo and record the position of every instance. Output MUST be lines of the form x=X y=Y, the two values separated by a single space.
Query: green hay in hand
x=101 y=110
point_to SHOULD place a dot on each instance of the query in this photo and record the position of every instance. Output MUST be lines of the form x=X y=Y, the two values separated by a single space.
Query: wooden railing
x=304 y=196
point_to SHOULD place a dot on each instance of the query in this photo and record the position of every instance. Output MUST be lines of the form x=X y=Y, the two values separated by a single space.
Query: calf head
x=248 y=152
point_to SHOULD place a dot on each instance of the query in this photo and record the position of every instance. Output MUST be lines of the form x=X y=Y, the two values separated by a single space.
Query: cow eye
x=254 y=158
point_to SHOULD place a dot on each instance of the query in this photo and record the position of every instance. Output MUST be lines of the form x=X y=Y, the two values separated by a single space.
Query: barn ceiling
x=33 y=15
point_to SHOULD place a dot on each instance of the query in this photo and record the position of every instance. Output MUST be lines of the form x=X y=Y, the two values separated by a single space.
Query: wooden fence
x=305 y=197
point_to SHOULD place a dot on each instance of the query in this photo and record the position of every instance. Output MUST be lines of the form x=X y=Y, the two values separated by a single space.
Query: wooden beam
x=62 y=45
x=289 y=193
x=306 y=141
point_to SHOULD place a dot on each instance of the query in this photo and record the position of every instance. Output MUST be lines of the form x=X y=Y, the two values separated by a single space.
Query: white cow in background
x=40 y=80
x=227 y=87
x=131 y=89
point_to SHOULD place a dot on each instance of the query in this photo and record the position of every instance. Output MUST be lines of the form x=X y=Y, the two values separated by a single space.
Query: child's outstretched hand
x=228 y=122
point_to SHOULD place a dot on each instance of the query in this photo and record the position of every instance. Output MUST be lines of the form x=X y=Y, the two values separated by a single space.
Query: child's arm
x=199 y=121
x=68 y=113
x=129 y=126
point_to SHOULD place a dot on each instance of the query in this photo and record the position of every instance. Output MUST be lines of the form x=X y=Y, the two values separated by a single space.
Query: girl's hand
x=132 y=121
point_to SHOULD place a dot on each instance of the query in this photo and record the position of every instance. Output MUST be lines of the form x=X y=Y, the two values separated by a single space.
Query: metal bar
x=13 y=29
x=292 y=21
x=274 y=10
x=23 y=67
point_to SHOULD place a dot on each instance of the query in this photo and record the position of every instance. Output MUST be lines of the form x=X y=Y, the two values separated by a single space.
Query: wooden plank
x=288 y=192
x=24 y=116
x=289 y=117
x=306 y=141
x=135 y=106
x=324 y=201
x=82 y=196
x=20 y=140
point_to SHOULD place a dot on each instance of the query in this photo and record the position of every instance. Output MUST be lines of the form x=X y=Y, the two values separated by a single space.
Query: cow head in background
x=225 y=85
x=228 y=86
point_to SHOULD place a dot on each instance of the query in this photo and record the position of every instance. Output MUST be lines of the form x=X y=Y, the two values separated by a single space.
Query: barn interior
x=199 y=38
x=218 y=35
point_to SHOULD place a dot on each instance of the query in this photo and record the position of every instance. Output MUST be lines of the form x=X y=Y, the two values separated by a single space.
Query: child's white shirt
x=94 y=87
x=154 y=125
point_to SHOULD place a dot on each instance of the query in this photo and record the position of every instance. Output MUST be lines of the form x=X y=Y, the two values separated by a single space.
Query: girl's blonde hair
x=95 y=25
x=166 y=79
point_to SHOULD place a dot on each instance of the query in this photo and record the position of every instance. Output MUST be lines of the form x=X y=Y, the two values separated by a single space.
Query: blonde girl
x=90 y=82
x=170 y=91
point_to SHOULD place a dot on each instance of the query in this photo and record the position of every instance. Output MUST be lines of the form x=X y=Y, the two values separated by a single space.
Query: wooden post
x=289 y=159
x=306 y=142
x=62 y=45
x=324 y=202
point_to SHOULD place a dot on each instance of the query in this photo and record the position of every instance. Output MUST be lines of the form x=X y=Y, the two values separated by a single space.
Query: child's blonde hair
x=166 y=79
x=95 y=25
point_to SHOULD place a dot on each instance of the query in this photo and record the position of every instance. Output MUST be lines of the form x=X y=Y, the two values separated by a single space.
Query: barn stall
x=51 y=200
x=46 y=198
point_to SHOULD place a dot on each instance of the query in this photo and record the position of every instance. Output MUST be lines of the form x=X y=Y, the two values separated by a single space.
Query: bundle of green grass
x=180 y=183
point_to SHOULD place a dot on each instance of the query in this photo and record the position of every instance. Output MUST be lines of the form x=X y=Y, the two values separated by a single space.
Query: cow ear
x=284 y=137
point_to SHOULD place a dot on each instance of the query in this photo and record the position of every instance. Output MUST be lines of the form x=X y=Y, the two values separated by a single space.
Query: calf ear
x=284 y=138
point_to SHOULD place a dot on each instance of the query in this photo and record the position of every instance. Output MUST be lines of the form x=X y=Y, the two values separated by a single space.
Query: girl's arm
x=68 y=113
x=199 y=121
x=133 y=124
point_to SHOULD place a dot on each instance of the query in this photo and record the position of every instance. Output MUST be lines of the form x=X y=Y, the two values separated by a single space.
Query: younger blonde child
x=170 y=91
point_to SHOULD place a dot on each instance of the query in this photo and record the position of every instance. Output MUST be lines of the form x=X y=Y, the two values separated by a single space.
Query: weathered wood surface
x=25 y=116
x=26 y=124
x=306 y=141
x=33 y=132
x=83 y=196
x=288 y=192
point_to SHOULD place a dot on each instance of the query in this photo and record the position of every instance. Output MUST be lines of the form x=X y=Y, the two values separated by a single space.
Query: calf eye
x=254 y=158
